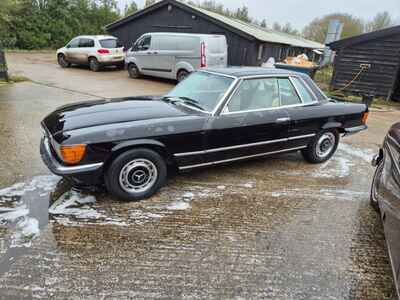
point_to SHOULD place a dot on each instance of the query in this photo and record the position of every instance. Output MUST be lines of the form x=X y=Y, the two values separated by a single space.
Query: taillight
x=203 y=62
x=365 y=117
x=72 y=154
x=103 y=51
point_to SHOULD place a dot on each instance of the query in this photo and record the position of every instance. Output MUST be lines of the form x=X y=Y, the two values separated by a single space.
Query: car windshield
x=110 y=43
x=202 y=88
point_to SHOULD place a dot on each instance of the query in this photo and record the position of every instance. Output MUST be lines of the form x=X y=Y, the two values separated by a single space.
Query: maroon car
x=385 y=195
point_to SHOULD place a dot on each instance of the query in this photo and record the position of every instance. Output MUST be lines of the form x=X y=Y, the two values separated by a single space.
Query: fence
x=3 y=66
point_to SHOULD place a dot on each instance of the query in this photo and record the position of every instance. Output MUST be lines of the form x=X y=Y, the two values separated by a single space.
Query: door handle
x=282 y=120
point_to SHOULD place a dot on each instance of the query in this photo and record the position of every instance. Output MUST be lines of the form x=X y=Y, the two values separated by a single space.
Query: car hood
x=106 y=112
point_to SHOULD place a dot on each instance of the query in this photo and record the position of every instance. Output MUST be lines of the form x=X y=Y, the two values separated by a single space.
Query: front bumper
x=354 y=130
x=58 y=169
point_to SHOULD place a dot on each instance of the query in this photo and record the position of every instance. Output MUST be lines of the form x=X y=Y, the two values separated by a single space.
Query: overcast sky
x=300 y=12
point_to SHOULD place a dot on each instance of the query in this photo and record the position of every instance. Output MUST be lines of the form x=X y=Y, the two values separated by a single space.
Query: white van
x=175 y=55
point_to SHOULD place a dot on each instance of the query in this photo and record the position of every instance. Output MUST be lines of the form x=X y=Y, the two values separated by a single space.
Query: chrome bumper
x=376 y=160
x=354 y=130
x=58 y=169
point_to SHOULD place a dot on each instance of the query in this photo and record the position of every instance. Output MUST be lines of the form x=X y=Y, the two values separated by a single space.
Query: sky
x=301 y=12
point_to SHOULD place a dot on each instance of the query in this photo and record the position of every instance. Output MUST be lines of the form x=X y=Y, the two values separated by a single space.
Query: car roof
x=99 y=37
x=250 y=71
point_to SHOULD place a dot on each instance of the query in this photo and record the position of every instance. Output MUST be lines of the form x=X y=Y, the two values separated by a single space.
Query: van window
x=143 y=44
x=216 y=45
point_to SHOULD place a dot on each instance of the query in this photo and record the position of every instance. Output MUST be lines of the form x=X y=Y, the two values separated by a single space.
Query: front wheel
x=136 y=174
x=374 y=189
x=133 y=71
x=62 y=61
x=322 y=147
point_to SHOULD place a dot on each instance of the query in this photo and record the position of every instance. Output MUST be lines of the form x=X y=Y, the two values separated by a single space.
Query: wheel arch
x=154 y=145
x=334 y=125
x=183 y=66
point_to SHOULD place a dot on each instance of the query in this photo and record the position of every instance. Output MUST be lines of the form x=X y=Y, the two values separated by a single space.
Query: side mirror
x=68 y=46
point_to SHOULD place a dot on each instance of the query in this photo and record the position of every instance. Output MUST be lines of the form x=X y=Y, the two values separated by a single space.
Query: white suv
x=93 y=50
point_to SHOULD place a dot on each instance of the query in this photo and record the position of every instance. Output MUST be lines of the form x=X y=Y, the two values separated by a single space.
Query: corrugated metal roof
x=260 y=33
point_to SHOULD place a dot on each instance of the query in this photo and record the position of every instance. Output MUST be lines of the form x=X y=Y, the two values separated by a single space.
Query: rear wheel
x=374 y=189
x=94 y=64
x=322 y=147
x=133 y=71
x=182 y=74
x=136 y=174
x=62 y=61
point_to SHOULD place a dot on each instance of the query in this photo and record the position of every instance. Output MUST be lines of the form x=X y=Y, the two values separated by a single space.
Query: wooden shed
x=368 y=64
x=248 y=44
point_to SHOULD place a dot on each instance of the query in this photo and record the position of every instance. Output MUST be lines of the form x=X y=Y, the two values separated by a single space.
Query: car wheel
x=94 y=64
x=322 y=147
x=133 y=71
x=136 y=174
x=374 y=188
x=62 y=61
x=182 y=74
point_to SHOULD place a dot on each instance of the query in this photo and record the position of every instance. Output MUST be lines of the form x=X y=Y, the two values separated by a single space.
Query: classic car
x=215 y=116
x=385 y=196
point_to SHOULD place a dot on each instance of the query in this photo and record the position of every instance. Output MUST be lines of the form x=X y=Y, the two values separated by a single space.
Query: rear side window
x=318 y=93
x=110 y=43
x=216 y=45
x=86 y=43
x=287 y=92
x=305 y=94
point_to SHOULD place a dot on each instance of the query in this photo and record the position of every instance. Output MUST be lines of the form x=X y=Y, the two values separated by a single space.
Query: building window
x=260 y=51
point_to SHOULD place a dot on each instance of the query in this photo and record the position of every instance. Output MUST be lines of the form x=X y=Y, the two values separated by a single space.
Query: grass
x=323 y=79
x=14 y=79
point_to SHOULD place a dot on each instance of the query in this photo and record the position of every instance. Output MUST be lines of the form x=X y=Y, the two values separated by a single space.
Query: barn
x=248 y=44
x=368 y=64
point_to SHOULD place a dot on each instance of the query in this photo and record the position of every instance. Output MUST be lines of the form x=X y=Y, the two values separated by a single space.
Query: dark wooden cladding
x=243 y=49
x=381 y=52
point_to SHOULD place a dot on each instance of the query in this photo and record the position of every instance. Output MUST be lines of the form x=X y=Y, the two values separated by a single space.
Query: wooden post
x=3 y=66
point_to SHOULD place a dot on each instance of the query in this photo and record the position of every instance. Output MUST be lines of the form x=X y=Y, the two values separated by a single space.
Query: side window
x=287 y=92
x=86 y=43
x=305 y=94
x=143 y=44
x=73 y=44
x=255 y=94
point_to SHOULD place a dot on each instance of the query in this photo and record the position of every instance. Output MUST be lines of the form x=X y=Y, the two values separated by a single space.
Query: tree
x=130 y=9
x=318 y=28
x=149 y=2
x=263 y=23
x=380 y=21
x=243 y=14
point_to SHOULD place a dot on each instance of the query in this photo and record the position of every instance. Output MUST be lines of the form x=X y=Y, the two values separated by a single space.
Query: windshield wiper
x=185 y=100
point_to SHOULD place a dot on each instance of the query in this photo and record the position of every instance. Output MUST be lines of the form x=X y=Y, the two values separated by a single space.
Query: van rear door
x=216 y=50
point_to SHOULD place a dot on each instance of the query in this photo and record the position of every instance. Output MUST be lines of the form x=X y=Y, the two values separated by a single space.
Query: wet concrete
x=275 y=228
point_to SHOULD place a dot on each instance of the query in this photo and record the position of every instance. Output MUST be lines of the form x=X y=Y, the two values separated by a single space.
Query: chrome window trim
x=241 y=158
x=220 y=74
x=227 y=94
x=305 y=84
x=214 y=150
x=241 y=80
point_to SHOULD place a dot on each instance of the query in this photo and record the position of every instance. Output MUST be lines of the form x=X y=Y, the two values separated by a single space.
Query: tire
x=373 y=199
x=62 y=61
x=133 y=71
x=94 y=64
x=181 y=76
x=322 y=146
x=136 y=174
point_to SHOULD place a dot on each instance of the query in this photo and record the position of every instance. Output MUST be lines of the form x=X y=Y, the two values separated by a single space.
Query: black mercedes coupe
x=215 y=116
x=385 y=196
